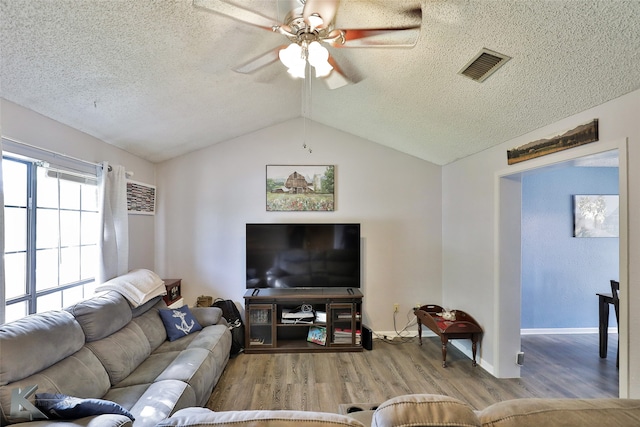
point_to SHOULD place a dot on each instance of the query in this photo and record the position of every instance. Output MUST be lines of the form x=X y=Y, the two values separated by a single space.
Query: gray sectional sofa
x=102 y=348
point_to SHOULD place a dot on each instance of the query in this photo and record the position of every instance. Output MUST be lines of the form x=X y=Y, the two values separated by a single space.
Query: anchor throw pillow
x=179 y=322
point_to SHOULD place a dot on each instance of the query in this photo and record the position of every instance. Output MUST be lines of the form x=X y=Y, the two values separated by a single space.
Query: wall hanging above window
x=141 y=198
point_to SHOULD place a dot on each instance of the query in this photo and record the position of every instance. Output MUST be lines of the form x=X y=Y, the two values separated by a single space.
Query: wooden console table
x=463 y=327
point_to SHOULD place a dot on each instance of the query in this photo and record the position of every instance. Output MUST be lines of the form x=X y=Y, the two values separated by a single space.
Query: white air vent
x=485 y=63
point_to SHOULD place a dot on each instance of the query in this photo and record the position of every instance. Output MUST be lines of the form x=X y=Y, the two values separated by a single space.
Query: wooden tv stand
x=266 y=331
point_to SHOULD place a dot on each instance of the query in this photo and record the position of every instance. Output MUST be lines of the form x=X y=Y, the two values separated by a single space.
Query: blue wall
x=561 y=274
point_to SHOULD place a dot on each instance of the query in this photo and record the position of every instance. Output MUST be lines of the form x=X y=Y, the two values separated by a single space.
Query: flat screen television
x=303 y=255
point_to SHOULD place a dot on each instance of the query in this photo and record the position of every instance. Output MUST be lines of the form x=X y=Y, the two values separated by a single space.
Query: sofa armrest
x=207 y=316
x=202 y=417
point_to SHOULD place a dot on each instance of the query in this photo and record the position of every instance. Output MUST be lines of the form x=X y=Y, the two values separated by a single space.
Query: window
x=51 y=231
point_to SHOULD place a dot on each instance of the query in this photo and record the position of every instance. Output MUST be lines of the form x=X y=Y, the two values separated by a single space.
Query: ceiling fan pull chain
x=306 y=107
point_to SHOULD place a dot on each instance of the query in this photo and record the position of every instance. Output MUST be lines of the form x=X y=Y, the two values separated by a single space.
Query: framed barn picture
x=300 y=188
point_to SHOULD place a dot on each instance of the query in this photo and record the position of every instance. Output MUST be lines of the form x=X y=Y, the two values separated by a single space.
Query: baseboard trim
x=558 y=331
x=529 y=331
x=405 y=334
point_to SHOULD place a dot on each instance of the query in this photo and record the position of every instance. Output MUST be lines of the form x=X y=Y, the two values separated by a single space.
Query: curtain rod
x=54 y=153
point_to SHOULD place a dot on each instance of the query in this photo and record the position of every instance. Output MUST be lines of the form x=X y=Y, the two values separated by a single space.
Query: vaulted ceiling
x=155 y=77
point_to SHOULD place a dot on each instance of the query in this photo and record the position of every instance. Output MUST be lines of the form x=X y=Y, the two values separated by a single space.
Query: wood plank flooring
x=555 y=366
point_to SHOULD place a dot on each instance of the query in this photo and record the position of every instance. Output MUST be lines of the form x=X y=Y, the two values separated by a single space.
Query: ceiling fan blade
x=326 y=9
x=391 y=37
x=337 y=78
x=238 y=13
x=259 y=62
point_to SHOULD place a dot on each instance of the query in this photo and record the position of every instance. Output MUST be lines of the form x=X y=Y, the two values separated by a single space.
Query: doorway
x=508 y=255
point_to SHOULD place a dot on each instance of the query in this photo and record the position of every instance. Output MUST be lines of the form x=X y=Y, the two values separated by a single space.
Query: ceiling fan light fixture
x=298 y=71
x=323 y=70
x=293 y=58
x=315 y=20
x=318 y=56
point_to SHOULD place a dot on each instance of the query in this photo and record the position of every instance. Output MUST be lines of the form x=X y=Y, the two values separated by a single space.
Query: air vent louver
x=483 y=65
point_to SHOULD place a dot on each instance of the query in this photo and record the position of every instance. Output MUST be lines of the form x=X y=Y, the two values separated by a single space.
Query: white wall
x=32 y=128
x=206 y=198
x=469 y=217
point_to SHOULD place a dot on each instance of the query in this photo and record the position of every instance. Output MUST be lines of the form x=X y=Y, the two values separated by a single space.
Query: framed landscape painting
x=300 y=188
x=596 y=215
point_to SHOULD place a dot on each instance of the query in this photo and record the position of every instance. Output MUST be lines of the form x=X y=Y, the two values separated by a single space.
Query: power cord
x=399 y=338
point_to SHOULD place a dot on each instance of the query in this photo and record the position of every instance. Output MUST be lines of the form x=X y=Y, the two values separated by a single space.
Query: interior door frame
x=507 y=256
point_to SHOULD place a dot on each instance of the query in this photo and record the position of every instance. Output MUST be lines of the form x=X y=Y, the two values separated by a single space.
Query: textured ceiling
x=155 y=77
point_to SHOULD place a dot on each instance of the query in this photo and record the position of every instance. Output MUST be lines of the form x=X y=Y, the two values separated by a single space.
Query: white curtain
x=113 y=243
x=2 y=292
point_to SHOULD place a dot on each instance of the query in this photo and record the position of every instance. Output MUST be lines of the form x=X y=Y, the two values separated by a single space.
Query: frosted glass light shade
x=319 y=58
x=293 y=57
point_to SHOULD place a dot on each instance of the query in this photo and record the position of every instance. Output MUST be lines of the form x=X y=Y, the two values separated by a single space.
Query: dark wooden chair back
x=615 y=288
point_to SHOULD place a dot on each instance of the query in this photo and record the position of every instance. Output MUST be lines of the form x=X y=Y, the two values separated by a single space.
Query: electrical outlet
x=396 y=307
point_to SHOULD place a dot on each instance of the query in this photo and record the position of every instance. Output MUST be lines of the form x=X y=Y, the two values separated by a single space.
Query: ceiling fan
x=308 y=25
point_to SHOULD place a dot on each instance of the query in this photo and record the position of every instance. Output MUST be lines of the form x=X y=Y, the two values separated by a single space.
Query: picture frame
x=596 y=215
x=580 y=135
x=300 y=188
x=141 y=198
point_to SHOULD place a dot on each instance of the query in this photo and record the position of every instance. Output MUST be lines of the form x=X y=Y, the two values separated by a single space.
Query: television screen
x=303 y=255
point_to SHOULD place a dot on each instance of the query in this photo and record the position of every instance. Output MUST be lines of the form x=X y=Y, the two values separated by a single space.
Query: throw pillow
x=179 y=322
x=60 y=406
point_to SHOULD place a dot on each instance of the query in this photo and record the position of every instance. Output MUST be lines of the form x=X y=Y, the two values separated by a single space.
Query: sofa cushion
x=424 y=410
x=149 y=370
x=216 y=339
x=210 y=338
x=140 y=310
x=559 y=412
x=179 y=322
x=122 y=352
x=207 y=316
x=198 y=368
x=61 y=406
x=101 y=315
x=152 y=326
x=201 y=417
x=36 y=342
x=80 y=374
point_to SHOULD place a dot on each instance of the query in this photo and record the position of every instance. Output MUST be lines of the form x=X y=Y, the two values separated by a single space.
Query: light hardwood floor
x=555 y=366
